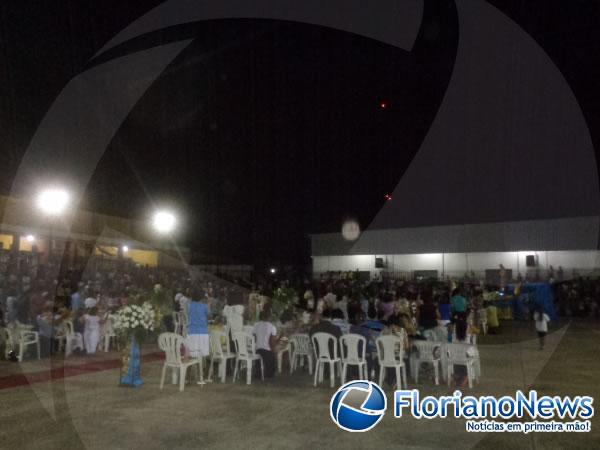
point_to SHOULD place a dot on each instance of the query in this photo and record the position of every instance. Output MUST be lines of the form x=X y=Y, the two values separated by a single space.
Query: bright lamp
x=164 y=222
x=53 y=201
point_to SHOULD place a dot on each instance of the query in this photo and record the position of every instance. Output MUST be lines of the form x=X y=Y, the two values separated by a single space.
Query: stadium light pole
x=53 y=203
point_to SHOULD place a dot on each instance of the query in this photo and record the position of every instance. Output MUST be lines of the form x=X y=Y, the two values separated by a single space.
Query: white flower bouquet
x=136 y=320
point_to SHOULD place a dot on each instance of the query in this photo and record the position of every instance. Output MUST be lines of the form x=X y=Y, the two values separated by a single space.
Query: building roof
x=579 y=233
x=508 y=163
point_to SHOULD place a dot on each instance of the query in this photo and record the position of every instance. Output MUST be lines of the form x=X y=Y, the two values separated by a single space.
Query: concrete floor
x=91 y=411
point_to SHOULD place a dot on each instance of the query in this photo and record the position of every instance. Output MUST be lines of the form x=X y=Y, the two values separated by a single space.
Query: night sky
x=262 y=131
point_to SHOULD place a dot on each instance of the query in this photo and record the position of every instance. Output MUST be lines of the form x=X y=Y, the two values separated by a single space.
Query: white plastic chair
x=429 y=335
x=429 y=353
x=180 y=323
x=6 y=338
x=248 y=329
x=60 y=336
x=390 y=352
x=24 y=338
x=73 y=340
x=177 y=323
x=300 y=349
x=353 y=349
x=219 y=354
x=324 y=356
x=108 y=334
x=474 y=351
x=441 y=334
x=462 y=355
x=282 y=351
x=245 y=347
x=185 y=321
x=469 y=339
x=171 y=344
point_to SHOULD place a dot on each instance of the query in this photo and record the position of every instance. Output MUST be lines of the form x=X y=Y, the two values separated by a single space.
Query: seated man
x=266 y=341
x=325 y=325
x=337 y=319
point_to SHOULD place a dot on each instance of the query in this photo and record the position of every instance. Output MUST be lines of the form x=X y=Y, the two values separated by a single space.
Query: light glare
x=164 y=222
x=53 y=202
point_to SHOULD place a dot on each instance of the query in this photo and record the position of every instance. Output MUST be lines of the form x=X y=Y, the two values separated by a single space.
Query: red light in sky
x=383 y=105
x=388 y=197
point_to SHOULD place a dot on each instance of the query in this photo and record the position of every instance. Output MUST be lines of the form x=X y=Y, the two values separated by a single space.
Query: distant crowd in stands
x=34 y=295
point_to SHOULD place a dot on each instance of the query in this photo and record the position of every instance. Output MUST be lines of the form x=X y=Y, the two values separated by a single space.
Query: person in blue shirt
x=459 y=313
x=76 y=300
x=458 y=302
x=197 y=338
x=444 y=308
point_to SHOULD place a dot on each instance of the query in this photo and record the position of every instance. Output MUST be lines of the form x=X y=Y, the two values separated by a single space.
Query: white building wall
x=457 y=264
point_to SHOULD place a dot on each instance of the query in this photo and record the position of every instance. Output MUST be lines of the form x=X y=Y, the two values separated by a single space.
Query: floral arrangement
x=136 y=320
x=283 y=298
x=161 y=298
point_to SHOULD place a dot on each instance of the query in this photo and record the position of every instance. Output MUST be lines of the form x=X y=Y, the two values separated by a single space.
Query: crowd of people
x=43 y=297
x=343 y=303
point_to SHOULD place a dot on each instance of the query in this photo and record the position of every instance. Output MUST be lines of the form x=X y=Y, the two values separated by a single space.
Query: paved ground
x=91 y=411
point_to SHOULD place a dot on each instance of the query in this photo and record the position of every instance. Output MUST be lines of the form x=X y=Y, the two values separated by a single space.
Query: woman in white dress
x=234 y=316
x=91 y=330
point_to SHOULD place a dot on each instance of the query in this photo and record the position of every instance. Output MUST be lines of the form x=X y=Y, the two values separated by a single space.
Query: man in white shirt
x=266 y=341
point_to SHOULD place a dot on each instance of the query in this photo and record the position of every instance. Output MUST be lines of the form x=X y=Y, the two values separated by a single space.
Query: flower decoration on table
x=136 y=320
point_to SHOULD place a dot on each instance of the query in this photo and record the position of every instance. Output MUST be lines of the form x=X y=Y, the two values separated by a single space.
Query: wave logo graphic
x=358 y=406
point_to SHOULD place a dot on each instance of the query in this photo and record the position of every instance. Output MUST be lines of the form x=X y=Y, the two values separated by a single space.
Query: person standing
x=197 y=332
x=458 y=307
x=429 y=315
x=91 y=330
x=45 y=325
x=76 y=299
x=266 y=341
x=541 y=324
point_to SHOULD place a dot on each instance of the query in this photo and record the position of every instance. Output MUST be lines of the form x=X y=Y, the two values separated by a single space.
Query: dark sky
x=263 y=131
